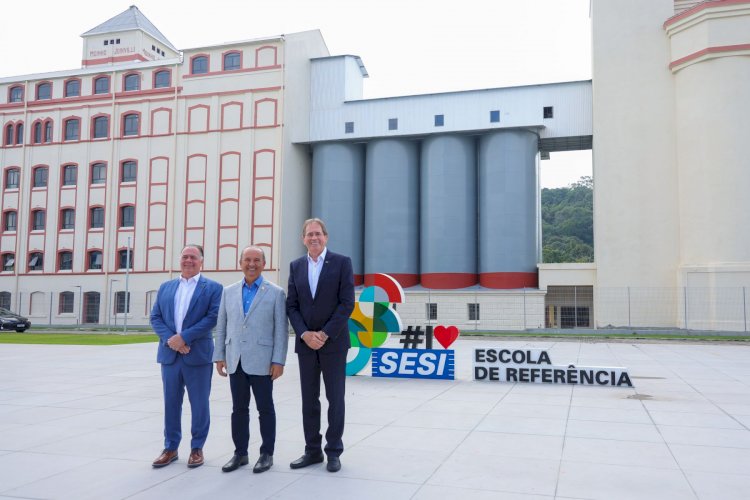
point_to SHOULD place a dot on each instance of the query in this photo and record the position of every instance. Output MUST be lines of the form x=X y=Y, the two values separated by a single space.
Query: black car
x=12 y=321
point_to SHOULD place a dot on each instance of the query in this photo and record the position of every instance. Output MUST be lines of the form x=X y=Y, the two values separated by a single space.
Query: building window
x=12 y=178
x=98 y=173
x=199 y=65
x=231 y=61
x=129 y=171
x=130 y=124
x=67 y=218
x=122 y=259
x=36 y=261
x=96 y=218
x=548 y=112
x=44 y=91
x=40 y=177
x=73 y=88
x=66 y=300
x=127 y=216
x=392 y=123
x=473 y=312
x=101 y=85
x=66 y=263
x=132 y=82
x=162 y=79
x=122 y=302
x=101 y=127
x=19 y=133
x=574 y=317
x=69 y=175
x=38 y=219
x=15 y=94
x=9 y=134
x=439 y=120
x=72 y=129
x=9 y=264
x=349 y=127
x=95 y=260
x=10 y=220
x=495 y=116
x=431 y=311
x=36 y=134
x=48 y=131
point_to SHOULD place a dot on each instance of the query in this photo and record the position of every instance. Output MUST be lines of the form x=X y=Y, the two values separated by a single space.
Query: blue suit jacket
x=200 y=319
x=329 y=311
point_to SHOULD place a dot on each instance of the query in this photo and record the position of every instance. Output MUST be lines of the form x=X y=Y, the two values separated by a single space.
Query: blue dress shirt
x=249 y=292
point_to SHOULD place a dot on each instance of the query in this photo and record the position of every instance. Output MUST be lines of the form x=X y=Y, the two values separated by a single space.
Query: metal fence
x=564 y=307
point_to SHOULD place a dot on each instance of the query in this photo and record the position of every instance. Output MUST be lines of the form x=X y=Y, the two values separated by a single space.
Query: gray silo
x=338 y=188
x=507 y=209
x=448 y=212
x=392 y=210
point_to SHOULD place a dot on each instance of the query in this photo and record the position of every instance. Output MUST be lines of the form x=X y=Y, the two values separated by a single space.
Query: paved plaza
x=85 y=422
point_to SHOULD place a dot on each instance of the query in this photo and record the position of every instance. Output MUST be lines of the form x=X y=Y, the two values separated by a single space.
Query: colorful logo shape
x=373 y=320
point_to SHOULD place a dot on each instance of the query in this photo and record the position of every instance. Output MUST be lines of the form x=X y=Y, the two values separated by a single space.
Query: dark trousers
x=240 y=384
x=197 y=379
x=333 y=368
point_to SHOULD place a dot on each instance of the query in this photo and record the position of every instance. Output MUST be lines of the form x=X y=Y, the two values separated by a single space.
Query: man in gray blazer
x=251 y=339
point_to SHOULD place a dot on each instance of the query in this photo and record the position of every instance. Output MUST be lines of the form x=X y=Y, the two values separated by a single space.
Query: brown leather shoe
x=196 y=458
x=166 y=458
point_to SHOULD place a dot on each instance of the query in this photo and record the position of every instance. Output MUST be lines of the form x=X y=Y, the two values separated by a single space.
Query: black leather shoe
x=334 y=464
x=234 y=463
x=307 y=459
x=265 y=461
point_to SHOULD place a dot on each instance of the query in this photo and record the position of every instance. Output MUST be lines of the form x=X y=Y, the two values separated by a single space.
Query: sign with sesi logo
x=413 y=363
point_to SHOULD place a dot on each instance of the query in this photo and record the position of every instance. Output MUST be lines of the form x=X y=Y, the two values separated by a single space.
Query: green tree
x=568 y=222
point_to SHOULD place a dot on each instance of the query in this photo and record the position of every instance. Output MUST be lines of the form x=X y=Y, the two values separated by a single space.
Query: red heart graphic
x=446 y=335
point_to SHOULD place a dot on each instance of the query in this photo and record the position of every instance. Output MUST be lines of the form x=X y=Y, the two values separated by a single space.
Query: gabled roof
x=131 y=19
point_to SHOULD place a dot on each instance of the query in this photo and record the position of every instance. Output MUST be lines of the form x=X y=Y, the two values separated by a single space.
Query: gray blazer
x=260 y=337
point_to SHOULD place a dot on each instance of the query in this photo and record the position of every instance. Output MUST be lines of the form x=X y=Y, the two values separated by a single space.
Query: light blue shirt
x=313 y=270
x=249 y=292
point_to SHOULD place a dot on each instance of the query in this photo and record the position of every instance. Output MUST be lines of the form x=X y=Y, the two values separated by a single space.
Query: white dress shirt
x=313 y=270
x=182 y=298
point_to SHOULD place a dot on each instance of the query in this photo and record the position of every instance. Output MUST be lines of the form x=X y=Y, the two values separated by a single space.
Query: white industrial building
x=147 y=147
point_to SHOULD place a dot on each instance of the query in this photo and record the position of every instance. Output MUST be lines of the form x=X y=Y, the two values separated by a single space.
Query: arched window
x=40 y=177
x=43 y=91
x=101 y=85
x=67 y=218
x=199 y=65
x=127 y=216
x=36 y=261
x=98 y=173
x=12 y=178
x=72 y=129
x=9 y=264
x=19 y=133
x=8 y=137
x=69 y=175
x=131 y=82
x=48 y=131
x=130 y=124
x=101 y=127
x=96 y=217
x=129 y=171
x=15 y=94
x=95 y=260
x=122 y=259
x=10 y=220
x=38 y=220
x=65 y=262
x=162 y=79
x=232 y=61
x=73 y=88
x=36 y=134
x=66 y=301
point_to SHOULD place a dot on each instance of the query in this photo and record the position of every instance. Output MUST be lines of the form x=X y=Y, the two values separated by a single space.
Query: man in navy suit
x=319 y=301
x=183 y=316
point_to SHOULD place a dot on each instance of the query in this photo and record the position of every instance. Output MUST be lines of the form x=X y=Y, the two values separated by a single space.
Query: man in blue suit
x=183 y=316
x=320 y=299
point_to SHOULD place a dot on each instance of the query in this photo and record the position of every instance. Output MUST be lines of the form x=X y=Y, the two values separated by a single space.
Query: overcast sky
x=407 y=46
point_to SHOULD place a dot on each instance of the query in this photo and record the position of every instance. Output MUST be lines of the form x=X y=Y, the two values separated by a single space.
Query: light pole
x=111 y=304
x=79 y=319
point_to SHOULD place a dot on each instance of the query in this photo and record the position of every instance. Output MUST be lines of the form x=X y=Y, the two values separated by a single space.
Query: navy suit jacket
x=200 y=319
x=329 y=311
